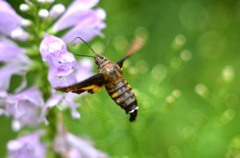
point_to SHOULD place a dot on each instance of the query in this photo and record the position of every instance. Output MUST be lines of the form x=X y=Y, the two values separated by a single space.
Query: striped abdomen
x=121 y=92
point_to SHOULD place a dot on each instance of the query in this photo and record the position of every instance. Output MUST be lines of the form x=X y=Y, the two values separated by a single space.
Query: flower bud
x=43 y=13
x=50 y=1
x=19 y=34
x=41 y=1
x=26 y=23
x=24 y=7
x=57 y=10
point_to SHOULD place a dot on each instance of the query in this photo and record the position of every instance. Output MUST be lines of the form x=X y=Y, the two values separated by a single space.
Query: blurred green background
x=186 y=79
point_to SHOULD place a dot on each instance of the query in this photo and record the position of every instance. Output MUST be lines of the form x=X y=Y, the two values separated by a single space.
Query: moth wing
x=91 y=85
x=134 y=47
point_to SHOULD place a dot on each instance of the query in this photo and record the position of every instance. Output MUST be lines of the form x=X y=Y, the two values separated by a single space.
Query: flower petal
x=25 y=107
x=75 y=13
x=33 y=95
x=83 y=147
x=8 y=50
x=61 y=81
x=82 y=4
x=9 y=19
x=69 y=102
x=62 y=64
x=19 y=34
x=88 y=27
x=52 y=45
x=54 y=100
x=6 y=73
x=85 y=69
x=26 y=146
x=17 y=65
x=74 y=147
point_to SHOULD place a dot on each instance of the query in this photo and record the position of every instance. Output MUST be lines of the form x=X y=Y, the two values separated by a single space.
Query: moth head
x=100 y=59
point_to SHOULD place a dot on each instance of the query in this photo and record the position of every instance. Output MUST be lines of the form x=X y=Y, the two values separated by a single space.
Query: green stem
x=53 y=117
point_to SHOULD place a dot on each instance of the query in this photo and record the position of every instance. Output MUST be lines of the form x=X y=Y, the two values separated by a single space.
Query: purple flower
x=85 y=68
x=83 y=148
x=63 y=68
x=63 y=71
x=24 y=107
x=65 y=101
x=75 y=147
x=9 y=50
x=68 y=100
x=62 y=64
x=10 y=22
x=15 y=62
x=27 y=108
x=81 y=20
x=26 y=146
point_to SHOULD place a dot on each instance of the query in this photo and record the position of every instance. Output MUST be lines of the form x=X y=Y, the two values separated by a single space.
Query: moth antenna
x=109 y=39
x=83 y=55
x=85 y=43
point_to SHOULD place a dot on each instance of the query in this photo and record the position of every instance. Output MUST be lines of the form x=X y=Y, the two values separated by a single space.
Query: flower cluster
x=26 y=45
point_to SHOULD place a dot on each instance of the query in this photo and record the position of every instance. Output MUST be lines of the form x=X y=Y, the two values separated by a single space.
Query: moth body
x=117 y=87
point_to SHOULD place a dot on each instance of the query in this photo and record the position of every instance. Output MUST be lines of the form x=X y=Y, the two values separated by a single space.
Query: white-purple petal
x=83 y=147
x=19 y=34
x=25 y=107
x=82 y=4
x=6 y=73
x=17 y=65
x=61 y=81
x=62 y=64
x=26 y=146
x=11 y=22
x=52 y=45
x=61 y=73
x=69 y=102
x=57 y=10
x=75 y=13
x=87 y=28
x=33 y=95
x=9 y=19
x=85 y=69
x=71 y=20
x=8 y=50
x=54 y=100
x=75 y=147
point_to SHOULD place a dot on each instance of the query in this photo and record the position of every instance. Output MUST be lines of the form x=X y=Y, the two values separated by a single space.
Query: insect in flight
x=110 y=75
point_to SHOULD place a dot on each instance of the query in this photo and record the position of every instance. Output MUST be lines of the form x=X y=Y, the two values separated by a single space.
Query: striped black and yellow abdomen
x=121 y=92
